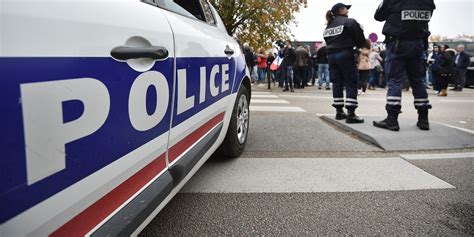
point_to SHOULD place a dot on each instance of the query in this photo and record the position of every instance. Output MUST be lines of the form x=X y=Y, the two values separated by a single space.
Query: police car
x=108 y=107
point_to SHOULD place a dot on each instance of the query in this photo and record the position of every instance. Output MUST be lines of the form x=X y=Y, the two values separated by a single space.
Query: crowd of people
x=445 y=66
x=300 y=67
x=288 y=67
x=351 y=64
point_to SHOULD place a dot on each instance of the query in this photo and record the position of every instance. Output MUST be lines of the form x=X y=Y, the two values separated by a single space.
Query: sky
x=451 y=17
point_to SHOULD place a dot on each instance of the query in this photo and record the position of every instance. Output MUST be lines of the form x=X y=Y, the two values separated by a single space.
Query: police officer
x=342 y=34
x=406 y=37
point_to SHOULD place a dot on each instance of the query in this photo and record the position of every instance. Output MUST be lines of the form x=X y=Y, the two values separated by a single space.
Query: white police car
x=108 y=107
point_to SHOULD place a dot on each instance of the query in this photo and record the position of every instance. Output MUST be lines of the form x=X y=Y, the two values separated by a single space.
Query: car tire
x=236 y=137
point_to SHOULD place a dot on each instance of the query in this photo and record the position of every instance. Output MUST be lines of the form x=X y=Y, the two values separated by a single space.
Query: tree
x=437 y=38
x=258 y=22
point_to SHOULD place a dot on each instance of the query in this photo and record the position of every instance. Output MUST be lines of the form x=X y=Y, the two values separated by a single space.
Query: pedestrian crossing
x=312 y=175
x=276 y=109
x=264 y=101
x=319 y=175
x=267 y=102
x=265 y=96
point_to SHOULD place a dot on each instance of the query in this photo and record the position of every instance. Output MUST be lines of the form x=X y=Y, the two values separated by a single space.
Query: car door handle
x=228 y=50
x=125 y=53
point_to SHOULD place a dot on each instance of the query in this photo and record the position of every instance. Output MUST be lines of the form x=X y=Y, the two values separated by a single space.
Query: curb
x=362 y=136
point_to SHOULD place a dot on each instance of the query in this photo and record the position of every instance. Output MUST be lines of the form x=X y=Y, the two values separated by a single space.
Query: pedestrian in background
x=249 y=59
x=255 y=67
x=288 y=55
x=364 y=67
x=342 y=34
x=438 y=82
x=433 y=62
x=406 y=35
x=309 y=66
x=461 y=62
x=314 y=65
x=382 y=79
x=427 y=71
x=281 y=71
x=271 y=73
x=261 y=64
x=300 y=66
x=323 y=67
x=375 y=68
x=446 y=70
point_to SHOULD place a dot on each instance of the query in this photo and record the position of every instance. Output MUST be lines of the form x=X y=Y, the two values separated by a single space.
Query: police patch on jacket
x=416 y=15
x=333 y=31
x=406 y=19
x=343 y=33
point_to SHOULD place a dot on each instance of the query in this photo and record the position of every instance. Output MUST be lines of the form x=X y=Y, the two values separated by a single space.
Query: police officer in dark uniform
x=342 y=34
x=406 y=37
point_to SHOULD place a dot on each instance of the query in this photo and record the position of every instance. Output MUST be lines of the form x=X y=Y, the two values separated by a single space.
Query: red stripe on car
x=180 y=147
x=101 y=209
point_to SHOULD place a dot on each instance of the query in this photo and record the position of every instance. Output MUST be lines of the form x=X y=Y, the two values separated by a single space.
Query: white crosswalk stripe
x=276 y=109
x=304 y=175
x=458 y=101
x=265 y=96
x=263 y=101
x=465 y=155
x=266 y=102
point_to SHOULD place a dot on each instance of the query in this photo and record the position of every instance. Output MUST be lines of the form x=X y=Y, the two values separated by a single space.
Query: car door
x=205 y=73
x=85 y=111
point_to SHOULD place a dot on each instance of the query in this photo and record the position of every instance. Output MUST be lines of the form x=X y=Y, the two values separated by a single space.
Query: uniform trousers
x=406 y=59
x=343 y=73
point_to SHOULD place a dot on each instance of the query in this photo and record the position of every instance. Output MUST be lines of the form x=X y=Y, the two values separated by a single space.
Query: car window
x=174 y=7
x=208 y=12
x=151 y=2
x=196 y=9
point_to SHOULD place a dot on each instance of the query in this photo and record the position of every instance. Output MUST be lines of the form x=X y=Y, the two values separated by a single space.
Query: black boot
x=390 y=123
x=423 y=122
x=340 y=115
x=352 y=117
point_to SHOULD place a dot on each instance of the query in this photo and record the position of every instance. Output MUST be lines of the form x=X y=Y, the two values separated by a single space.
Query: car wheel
x=236 y=137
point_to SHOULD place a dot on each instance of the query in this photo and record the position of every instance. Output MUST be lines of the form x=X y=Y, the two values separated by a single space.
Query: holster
x=397 y=48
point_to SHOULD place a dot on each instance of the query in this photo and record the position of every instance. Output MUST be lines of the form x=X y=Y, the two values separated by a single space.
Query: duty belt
x=397 y=40
x=391 y=38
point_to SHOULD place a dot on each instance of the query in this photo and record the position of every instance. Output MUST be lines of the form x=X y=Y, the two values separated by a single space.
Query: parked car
x=109 y=107
x=470 y=74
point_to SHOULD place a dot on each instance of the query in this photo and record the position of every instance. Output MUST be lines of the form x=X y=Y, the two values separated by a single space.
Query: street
x=301 y=175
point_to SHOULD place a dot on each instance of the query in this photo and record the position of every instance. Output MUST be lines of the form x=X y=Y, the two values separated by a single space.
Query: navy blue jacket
x=436 y=60
x=343 y=33
x=463 y=61
x=446 y=62
x=288 y=57
x=322 y=55
x=406 y=19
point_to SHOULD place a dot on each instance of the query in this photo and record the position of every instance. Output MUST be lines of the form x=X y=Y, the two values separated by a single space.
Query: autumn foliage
x=258 y=22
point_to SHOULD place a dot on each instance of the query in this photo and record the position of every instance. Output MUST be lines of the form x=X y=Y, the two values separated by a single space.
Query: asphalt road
x=301 y=176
